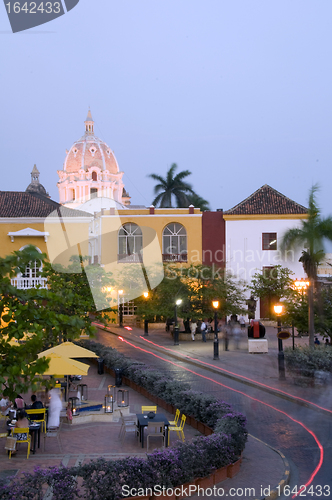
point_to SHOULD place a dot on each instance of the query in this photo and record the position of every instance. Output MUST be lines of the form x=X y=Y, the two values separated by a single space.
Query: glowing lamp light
x=120 y=292
x=301 y=285
x=145 y=295
x=178 y=302
x=215 y=304
x=278 y=308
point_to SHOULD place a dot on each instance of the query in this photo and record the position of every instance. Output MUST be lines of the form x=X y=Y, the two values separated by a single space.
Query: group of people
x=17 y=409
x=232 y=328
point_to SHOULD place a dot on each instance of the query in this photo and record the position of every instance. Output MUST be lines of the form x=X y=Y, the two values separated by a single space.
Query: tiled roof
x=267 y=200
x=23 y=204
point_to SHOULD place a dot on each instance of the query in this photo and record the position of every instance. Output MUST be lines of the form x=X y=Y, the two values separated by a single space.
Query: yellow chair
x=149 y=408
x=178 y=429
x=175 y=421
x=38 y=415
x=21 y=430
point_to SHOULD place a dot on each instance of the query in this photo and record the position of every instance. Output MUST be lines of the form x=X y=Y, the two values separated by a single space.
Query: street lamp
x=215 y=304
x=176 y=326
x=278 y=309
x=120 y=302
x=146 y=321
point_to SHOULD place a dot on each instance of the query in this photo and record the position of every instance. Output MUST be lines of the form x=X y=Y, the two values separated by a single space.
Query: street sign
x=283 y=335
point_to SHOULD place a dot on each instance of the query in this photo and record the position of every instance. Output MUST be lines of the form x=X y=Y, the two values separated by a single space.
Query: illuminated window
x=269 y=241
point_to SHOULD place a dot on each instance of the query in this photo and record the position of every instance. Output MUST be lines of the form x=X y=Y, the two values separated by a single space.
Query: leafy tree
x=197 y=286
x=310 y=236
x=172 y=186
x=198 y=202
x=34 y=318
x=273 y=285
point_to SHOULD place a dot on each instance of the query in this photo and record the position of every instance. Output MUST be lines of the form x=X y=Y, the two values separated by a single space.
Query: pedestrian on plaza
x=54 y=408
x=69 y=413
x=236 y=334
x=193 y=328
x=327 y=342
x=316 y=341
x=242 y=321
x=35 y=405
x=203 y=330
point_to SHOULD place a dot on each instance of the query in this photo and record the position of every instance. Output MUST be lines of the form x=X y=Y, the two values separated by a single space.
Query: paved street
x=276 y=418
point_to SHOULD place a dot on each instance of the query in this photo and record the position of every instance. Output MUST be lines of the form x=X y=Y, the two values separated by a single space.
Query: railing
x=134 y=257
x=25 y=283
x=175 y=257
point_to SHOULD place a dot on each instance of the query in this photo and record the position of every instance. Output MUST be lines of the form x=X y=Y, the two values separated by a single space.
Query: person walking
x=193 y=327
x=203 y=330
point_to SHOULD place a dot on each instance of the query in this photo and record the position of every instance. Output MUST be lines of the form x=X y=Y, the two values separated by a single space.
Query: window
x=174 y=243
x=269 y=241
x=30 y=277
x=130 y=242
x=94 y=176
x=93 y=193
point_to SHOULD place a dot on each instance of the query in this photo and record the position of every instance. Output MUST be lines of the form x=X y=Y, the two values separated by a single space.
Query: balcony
x=26 y=283
x=175 y=257
x=134 y=257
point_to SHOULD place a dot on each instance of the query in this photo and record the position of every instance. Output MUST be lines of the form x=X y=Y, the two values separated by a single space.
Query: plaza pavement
x=262 y=466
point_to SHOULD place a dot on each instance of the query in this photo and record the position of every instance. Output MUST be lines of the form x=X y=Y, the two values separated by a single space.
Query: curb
x=274 y=392
x=274 y=493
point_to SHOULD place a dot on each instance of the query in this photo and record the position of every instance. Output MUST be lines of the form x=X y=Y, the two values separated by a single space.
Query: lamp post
x=146 y=321
x=176 y=326
x=215 y=304
x=120 y=302
x=278 y=309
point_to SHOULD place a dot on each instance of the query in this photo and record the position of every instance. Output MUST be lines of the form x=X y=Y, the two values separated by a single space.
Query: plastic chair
x=175 y=421
x=155 y=429
x=21 y=430
x=178 y=429
x=149 y=408
x=38 y=415
x=54 y=432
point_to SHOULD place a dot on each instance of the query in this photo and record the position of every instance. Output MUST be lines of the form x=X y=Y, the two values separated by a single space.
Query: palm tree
x=198 y=202
x=171 y=186
x=310 y=236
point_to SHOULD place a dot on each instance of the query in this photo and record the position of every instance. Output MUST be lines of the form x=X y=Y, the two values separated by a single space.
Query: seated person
x=36 y=405
x=22 y=421
x=5 y=405
x=19 y=402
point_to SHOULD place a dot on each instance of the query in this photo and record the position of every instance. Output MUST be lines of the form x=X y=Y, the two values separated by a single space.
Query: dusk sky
x=237 y=92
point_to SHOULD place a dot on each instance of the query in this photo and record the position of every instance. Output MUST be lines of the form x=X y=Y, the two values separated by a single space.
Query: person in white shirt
x=193 y=326
x=5 y=405
x=203 y=330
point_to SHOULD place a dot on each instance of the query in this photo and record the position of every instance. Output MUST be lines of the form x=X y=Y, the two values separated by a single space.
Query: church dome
x=89 y=152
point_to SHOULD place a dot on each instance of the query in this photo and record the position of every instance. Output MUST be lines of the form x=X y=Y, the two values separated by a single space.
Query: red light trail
x=321 y=449
x=238 y=375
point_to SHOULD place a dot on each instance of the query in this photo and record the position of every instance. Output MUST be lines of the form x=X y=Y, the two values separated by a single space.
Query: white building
x=254 y=230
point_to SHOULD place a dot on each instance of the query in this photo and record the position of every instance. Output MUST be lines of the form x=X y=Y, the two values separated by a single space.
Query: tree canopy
x=310 y=238
x=175 y=187
x=36 y=318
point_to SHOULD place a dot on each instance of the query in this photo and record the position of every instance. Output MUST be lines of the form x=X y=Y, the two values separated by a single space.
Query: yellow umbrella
x=61 y=366
x=69 y=350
